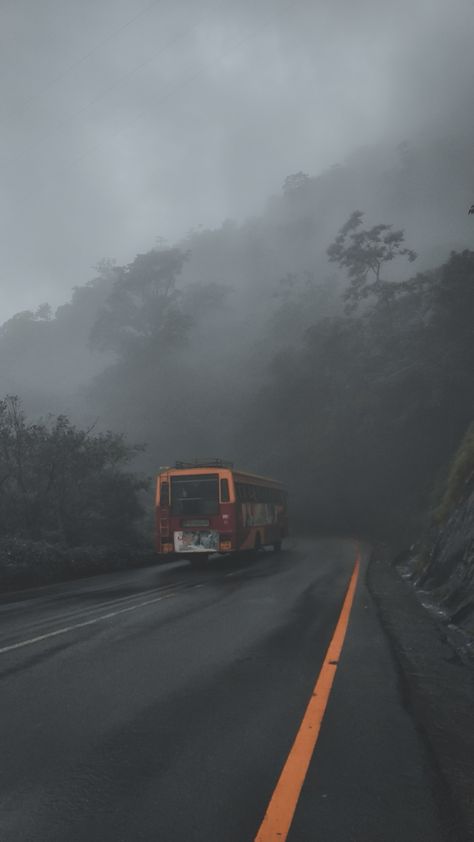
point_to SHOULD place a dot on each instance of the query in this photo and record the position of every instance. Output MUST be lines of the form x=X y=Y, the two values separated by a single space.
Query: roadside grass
x=460 y=478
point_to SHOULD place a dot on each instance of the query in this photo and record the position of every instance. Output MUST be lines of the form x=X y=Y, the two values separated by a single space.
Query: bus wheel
x=277 y=546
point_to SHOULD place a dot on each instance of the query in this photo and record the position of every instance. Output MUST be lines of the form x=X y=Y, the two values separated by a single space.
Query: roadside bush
x=460 y=477
x=25 y=563
x=68 y=507
x=62 y=485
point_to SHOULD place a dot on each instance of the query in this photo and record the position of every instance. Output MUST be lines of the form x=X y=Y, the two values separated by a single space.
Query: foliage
x=460 y=476
x=367 y=410
x=295 y=181
x=24 y=563
x=363 y=252
x=63 y=484
x=144 y=305
x=298 y=302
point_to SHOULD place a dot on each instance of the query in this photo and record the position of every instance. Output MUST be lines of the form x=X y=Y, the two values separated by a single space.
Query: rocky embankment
x=434 y=644
x=435 y=647
x=442 y=570
x=441 y=567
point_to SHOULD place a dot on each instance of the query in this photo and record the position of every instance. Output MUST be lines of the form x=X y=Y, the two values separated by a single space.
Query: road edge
x=437 y=690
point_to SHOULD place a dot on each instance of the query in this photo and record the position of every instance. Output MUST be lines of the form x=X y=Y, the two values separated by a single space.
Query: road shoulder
x=370 y=777
x=437 y=687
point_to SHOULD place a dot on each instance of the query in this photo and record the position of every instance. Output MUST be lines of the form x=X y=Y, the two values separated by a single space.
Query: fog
x=128 y=121
x=173 y=178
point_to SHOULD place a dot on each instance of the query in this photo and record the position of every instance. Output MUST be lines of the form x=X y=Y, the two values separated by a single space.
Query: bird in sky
x=471 y=210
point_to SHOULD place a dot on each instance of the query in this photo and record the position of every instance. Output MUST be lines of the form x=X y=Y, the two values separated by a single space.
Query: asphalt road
x=161 y=704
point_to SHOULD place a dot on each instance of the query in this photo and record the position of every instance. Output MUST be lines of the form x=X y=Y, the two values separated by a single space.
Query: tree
x=145 y=305
x=64 y=484
x=295 y=181
x=363 y=252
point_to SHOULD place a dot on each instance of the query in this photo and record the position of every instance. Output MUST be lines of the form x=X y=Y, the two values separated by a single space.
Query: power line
x=171 y=91
x=77 y=63
x=184 y=83
x=128 y=74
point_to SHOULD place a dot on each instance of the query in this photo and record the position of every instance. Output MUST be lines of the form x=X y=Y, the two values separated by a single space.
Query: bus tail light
x=167 y=548
x=225 y=544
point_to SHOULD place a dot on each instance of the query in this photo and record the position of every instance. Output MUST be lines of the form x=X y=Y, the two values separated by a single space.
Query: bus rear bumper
x=207 y=543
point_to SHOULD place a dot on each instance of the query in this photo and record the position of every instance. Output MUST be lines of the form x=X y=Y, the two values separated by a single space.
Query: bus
x=207 y=506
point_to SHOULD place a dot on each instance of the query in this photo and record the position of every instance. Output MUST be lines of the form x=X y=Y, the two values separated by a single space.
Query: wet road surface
x=161 y=704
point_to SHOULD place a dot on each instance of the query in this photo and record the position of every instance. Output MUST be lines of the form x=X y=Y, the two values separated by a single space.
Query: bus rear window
x=195 y=495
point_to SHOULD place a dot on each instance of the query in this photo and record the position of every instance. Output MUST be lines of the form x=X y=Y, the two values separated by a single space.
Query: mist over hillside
x=420 y=186
x=207 y=346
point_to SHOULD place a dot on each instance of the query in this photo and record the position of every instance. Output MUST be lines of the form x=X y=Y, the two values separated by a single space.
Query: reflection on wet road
x=162 y=704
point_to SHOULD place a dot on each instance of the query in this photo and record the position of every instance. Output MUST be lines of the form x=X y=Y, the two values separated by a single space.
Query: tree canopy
x=64 y=484
x=364 y=252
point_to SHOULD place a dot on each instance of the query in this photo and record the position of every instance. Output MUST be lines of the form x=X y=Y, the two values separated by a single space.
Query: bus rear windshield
x=195 y=495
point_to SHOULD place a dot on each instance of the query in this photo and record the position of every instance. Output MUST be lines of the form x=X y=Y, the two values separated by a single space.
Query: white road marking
x=35 y=626
x=239 y=572
x=11 y=647
x=84 y=611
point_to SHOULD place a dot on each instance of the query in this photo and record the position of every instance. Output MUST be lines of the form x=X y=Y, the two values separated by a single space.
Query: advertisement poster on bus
x=259 y=514
x=196 y=542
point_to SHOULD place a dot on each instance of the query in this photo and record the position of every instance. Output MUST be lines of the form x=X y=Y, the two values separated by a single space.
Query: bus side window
x=224 y=491
x=164 y=494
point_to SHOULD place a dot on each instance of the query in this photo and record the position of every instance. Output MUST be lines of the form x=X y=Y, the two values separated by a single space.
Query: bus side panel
x=258 y=523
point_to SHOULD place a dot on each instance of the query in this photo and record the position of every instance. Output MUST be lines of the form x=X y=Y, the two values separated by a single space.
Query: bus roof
x=244 y=475
x=240 y=476
x=204 y=463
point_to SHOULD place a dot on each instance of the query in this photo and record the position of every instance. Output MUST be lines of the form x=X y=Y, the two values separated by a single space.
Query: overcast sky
x=128 y=120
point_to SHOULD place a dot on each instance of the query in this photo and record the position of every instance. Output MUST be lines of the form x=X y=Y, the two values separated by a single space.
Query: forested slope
x=261 y=342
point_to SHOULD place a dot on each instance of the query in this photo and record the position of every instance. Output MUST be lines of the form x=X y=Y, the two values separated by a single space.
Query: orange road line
x=281 y=809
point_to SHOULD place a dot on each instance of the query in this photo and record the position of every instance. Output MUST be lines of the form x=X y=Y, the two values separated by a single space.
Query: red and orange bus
x=207 y=506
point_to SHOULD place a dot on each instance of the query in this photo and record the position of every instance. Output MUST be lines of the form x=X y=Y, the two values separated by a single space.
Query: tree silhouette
x=144 y=305
x=363 y=252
